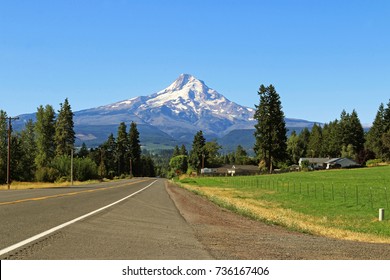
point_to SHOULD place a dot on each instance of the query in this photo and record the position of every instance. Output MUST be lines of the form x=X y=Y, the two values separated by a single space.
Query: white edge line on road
x=38 y=236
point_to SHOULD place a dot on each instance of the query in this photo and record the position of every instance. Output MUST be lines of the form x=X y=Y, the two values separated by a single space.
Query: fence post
x=381 y=214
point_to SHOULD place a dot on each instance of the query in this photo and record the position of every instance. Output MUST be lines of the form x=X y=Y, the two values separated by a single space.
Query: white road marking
x=38 y=236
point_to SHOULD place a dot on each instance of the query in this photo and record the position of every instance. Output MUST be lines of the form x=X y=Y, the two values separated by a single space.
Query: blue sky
x=322 y=56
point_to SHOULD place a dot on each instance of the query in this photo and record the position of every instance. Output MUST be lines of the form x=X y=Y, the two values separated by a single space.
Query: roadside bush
x=374 y=162
x=85 y=169
x=47 y=174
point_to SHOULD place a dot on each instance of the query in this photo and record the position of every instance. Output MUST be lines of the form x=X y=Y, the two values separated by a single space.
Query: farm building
x=328 y=163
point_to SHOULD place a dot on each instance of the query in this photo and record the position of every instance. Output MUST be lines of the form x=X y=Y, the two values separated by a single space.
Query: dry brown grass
x=38 y=185
x=273 y=213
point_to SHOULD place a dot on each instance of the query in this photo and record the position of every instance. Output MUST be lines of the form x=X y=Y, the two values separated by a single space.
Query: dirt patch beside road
x=227 y=235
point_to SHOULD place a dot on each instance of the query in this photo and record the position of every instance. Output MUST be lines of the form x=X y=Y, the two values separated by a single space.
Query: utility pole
x=131 y=167
x=9 y=119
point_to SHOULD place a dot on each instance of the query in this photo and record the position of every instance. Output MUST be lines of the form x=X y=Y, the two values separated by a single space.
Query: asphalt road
x=146 y=225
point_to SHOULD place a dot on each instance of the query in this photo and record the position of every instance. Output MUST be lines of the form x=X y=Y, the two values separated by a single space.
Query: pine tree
x=45 y=131
x=304 y=137
x=176 y=151
x=330 y=140
x=122 y=150
x=183 y=150
x=135 y=150
x=351 y=132
x=197 y=152
x=28 y=149
x=64 y=130
x=83 y=153
x=374 y=136
x=271 y=131
x=314 y=147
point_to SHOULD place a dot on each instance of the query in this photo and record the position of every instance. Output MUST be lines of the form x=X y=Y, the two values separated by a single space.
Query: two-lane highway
x=133 y=219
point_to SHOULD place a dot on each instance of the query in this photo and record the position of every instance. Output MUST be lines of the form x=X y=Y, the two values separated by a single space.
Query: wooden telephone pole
x=9 y=119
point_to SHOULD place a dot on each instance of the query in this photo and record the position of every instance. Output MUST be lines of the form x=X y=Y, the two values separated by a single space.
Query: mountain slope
x=172 y=115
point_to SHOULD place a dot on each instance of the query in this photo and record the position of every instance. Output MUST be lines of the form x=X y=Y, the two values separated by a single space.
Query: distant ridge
x=172 y=115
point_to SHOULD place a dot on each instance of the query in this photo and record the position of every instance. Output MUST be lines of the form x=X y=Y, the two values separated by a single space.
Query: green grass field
x=335 y=203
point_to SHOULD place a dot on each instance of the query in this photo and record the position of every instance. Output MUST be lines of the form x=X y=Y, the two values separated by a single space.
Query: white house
x=328 y=163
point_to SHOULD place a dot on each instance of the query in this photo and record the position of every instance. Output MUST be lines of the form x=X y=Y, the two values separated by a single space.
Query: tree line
x=44 y=149
x=344 y=137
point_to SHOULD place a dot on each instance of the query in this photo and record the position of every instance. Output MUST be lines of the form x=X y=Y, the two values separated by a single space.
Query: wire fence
x=337 y=192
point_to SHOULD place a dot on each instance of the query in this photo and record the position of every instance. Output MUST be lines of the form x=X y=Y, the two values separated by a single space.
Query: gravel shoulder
x=227 y=235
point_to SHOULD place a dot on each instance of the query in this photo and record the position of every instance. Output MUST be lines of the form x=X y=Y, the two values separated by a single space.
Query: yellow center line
x=68 y=194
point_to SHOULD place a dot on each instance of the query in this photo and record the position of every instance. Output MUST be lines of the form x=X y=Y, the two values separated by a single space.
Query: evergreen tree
x=135 y=150
x=107 y=162
x=183 y=150
x=330 y=140
x=314 y=147
x=374 y=135
x=241 y=156
x=83 y=153
x=29 y=150
x=351 y=132
x=176 y=151
x=271 y=131
x=197 y=152
x=304 y=137
x=45 y=131
x=211 y=154
x=64 y=130
x=122 y=150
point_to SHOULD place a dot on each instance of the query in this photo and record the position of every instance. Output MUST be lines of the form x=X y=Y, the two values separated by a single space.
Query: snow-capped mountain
x=186 y=106
x=175 y=113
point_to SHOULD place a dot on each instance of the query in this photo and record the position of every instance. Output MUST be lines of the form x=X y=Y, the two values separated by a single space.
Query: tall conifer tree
x=64 y=130
x=271 y=131
x=135 y=150
x=45 y=131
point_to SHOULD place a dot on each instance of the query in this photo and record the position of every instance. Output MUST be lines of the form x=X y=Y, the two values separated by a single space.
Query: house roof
x=315 y=160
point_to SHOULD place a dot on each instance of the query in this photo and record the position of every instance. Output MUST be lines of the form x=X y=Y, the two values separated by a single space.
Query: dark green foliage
x=197 y=153
x=271 y=132
x=211 y=154
x=45 y=131
x=183 y=150
x=314 y=147
x=378 y=134
x=64 y=130
x=179 y=164
x=331 y=145
x=135 y=150
x=351 y=134
x=27 y=152
x=176 y=151
x=295 y=148
x=122 y=150
x=83 y=153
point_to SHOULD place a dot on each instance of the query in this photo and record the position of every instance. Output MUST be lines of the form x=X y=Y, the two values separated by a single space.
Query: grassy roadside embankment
x=40 y=185
x=340 y=204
